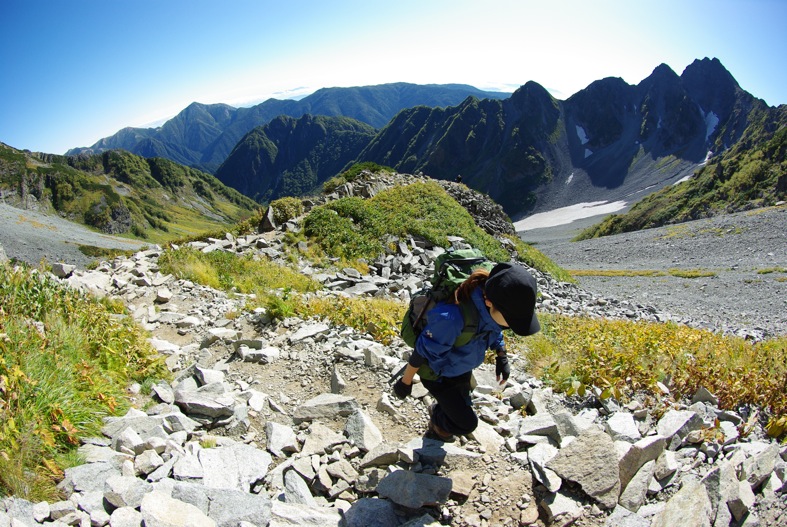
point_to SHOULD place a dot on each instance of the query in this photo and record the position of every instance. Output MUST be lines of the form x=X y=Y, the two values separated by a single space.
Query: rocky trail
x=278 y=423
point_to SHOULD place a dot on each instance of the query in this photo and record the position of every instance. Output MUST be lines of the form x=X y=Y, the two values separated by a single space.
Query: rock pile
x=291 y=423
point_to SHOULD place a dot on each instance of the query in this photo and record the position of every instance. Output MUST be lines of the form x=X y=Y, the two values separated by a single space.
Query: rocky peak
x=713 y=87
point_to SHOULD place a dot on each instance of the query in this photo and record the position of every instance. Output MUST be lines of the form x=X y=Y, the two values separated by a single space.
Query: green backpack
x=450 y=270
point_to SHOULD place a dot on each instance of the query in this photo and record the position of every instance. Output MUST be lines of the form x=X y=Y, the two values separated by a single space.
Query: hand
x=502 y=368
x=402 y=390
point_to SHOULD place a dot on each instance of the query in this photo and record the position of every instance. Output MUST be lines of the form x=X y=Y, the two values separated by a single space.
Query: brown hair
x=466 y=288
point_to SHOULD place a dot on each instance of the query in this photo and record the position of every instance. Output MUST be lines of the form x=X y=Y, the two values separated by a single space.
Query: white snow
x=570 y=178
x=565 y=215
x=588 y=153
x=711 y=122
x=681 y=180
x=583 y=136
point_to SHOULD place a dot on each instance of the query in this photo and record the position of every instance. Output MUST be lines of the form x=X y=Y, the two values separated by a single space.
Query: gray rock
x=59 y=269
x=622 y=517
x=689 y=507
x=760 y=466
x=281 y=439
x=205 y=404
x=289 y=514
x=621 y=426
x=88 y=477
x=362 y=431
x=538 y=456
x=413 y=489
x=320 y=440
x=160 y=510
x=644 y=450
x=125 y=517
x=678 y=422
x=237 y=467
x=125 y=491
x=633 y=496
x=561 y=509
x=586 y=461
x=541 y=424
x=325 y=406
x=296 y=491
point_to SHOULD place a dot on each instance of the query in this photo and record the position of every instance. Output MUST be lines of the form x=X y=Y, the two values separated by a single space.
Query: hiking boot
x=438 y=434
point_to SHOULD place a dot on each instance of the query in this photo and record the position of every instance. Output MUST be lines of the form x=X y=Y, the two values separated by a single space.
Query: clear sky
x=76 y=71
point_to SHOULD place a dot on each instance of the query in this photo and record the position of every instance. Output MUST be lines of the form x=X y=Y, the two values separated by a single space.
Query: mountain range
x=530 y=152
x=202 y=135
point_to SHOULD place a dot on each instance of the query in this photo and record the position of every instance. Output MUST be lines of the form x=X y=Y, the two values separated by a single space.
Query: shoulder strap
x=471 y=318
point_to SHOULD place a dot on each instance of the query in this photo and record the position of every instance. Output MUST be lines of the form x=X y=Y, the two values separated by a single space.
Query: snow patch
x=570 y=178
x=711 y=122
x=588 y=153
x=566 y=215
x=583 y=136
x=707 y=158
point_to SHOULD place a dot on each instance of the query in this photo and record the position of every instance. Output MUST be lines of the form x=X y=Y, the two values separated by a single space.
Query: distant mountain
x=117 y=192
x=291 y=157
x=610 y=141
x=203 y=135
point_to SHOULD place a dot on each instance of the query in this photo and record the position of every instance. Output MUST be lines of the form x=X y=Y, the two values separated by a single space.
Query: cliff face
x=611 y=141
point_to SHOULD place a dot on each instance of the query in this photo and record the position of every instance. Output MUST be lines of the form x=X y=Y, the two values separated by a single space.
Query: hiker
x=505 y=298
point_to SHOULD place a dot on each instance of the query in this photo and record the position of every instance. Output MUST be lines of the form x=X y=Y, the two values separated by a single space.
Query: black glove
x=402 y=390
x=502 y=368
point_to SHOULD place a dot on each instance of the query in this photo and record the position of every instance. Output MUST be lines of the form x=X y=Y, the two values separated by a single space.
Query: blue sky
x=77 y=71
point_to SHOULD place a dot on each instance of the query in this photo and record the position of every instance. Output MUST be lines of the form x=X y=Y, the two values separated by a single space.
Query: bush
x=286 y=209
x=65 y=362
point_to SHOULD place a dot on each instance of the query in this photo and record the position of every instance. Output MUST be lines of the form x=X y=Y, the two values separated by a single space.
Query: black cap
x=512 y=290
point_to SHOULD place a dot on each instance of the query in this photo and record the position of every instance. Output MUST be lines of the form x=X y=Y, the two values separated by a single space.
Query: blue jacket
x=444 y=323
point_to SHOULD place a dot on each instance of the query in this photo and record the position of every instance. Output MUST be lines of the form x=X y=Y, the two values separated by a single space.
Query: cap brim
x=525 y=327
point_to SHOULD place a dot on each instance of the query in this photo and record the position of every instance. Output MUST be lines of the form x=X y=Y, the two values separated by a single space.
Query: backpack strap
x=471 y=319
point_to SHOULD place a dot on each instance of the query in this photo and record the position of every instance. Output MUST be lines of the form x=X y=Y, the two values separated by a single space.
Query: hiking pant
x=454 y=412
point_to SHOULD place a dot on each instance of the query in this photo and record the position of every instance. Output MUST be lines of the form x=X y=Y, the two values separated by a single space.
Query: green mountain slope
x=121 y=193
x=293 y=157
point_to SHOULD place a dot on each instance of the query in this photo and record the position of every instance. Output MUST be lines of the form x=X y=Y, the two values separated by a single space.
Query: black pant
x=454 y=412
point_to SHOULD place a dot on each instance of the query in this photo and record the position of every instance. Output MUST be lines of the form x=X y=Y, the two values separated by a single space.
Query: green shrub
x=357 y=228
x=286 y=209
x=65 y=362
x=627 y=358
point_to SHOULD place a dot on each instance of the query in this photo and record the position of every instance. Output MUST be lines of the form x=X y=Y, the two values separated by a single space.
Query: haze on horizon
x=78 y=72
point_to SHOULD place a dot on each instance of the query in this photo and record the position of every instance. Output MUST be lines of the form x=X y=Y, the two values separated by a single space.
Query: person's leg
x=453 y=413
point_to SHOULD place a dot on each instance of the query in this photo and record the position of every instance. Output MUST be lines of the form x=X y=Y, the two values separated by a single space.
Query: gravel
x=31 y=236
x=746 y=251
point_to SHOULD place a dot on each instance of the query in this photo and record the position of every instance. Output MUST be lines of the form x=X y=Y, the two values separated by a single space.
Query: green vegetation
x=65 y=362
x=103 y=252
x=355 y=228
x=352 y=174
x=120 y=193
x=231 y=272
x=625 y=358
x=751 y=174
x=286 y=209
x=680 y=273
x=769 y=270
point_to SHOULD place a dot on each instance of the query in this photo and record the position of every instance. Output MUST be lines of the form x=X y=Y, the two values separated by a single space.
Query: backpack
x=450 y=270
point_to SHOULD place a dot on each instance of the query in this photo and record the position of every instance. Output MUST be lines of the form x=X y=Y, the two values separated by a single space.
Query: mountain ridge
x=190 y=139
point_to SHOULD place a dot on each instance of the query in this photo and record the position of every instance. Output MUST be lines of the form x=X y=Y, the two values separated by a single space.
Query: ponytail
x=466 y=288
